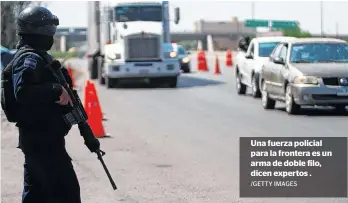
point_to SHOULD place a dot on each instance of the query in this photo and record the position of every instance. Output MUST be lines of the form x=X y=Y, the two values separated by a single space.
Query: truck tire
x=101 y=78
x=93 y=67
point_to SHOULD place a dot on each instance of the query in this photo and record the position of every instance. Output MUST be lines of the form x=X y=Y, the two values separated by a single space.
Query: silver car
x=306 y=72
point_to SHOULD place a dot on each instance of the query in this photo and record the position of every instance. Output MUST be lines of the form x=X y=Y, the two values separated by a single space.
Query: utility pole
x=253 y=14
x=253 y=10
x=321 y=19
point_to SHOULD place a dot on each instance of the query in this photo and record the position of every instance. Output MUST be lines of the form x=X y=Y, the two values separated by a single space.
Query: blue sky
x=74 y=13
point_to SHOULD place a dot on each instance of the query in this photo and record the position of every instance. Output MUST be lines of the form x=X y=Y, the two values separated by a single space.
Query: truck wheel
x=101 y=79
x=93 y=68
x=109 y=82
x=172 y=82
x=186 y=69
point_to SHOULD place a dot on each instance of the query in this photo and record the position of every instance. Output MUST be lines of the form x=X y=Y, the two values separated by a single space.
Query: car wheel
x=186 y=70
x=255 y=90
x=241 y=88
x=267 y=103
x=341 y=109
x=290 y=106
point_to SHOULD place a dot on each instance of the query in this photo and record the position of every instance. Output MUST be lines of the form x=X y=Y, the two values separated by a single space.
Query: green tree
x=9 y=12
x=296 y=32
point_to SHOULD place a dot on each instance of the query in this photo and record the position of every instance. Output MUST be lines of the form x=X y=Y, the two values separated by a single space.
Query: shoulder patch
x=30 y=63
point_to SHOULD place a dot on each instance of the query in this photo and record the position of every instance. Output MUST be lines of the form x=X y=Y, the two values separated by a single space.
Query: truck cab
x=135 y=50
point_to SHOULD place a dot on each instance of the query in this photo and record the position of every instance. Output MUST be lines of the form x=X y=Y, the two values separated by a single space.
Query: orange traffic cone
x=71 y=75
x=85 y=96
x=217 y=66
x=93 y=110
x=202 y=61
x=229 y=61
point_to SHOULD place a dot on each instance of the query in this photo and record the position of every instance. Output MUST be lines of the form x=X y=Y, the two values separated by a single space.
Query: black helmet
x=37 y=20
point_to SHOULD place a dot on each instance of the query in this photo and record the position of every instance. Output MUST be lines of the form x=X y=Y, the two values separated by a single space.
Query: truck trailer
x=129 y=40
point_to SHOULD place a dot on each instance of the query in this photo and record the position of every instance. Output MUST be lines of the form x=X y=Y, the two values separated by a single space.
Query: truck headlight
x=186 y=60
x=306 y=80
x=172 y=54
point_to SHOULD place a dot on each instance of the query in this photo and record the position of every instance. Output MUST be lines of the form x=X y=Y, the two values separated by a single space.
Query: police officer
x=244 y=43
x=49 y=175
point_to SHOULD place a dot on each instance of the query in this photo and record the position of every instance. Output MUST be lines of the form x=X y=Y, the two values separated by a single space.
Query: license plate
x=342 y=92
x=143 y=71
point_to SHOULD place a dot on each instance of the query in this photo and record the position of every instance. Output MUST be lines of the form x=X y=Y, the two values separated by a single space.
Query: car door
x=269 y=68
x=279 y=71
x=247 y=64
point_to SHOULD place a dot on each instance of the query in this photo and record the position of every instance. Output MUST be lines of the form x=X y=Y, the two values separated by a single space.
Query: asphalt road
x=174 y=145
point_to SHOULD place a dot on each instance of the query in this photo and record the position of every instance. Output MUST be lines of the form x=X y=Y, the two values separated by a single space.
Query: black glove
x=92 y=144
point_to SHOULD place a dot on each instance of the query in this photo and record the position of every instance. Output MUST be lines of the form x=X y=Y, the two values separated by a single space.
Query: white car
x=248 y=65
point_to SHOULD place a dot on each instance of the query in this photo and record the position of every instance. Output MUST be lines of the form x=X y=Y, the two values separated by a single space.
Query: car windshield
x=319 y=53
x=138 y=13
x=266 y=48
x=181 y=51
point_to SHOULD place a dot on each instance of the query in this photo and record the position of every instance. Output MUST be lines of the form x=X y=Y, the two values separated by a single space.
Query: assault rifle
x=78 y=114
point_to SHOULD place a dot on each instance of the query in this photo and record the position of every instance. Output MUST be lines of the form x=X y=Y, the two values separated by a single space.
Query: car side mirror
x=249 y=56
x=279 y=60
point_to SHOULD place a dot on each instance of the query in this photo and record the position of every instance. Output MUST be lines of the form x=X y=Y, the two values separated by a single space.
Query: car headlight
x=173 y=54
x=306 y=80
x=186 y=60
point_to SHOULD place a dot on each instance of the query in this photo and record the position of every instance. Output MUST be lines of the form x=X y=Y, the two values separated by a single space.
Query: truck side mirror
x=177 y=15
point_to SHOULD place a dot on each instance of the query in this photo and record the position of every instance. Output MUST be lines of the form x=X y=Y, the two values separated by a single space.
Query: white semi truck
x=130 y=41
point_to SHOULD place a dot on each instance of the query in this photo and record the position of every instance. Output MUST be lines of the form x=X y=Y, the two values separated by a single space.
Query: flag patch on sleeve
x=30 y=63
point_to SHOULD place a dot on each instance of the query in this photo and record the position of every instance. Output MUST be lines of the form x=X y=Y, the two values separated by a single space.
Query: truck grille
x=143 y=48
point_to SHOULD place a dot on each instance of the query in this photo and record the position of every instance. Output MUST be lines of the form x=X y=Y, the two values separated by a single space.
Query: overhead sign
x=256 y=23
x=283 y=24
x=270 y=23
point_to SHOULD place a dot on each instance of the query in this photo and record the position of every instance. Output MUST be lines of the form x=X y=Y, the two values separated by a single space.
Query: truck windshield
x=138 y=13
x=319 y=53
x=265 y=49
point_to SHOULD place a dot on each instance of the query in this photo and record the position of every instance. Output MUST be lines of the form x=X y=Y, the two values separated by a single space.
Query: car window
x=319 y=53
x=283 y=52
x=276 y=52
x=266 y=48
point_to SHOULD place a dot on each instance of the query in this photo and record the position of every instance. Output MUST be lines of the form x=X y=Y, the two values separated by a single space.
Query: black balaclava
x=39 y=42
